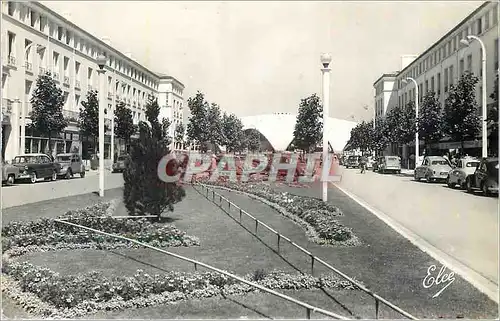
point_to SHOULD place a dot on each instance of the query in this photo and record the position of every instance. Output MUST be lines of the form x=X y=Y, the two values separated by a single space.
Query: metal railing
x=279 y=236
x=77 y=84
x=66 y=80
x=56 y=76
x=28 y=66
x=309 y=308
x=70 y=114
x=110 y=95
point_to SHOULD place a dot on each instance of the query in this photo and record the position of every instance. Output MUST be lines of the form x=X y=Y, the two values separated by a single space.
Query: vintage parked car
x=35 y=166
x=10 y=173
x=71 y=164
x=485 y=177
x=433 y=168
x=352 y=162
x=458 y=175
x=119 y=165
x=389 y=164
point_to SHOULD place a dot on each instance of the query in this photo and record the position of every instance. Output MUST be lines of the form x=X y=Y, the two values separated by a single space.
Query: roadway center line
x=481 y=283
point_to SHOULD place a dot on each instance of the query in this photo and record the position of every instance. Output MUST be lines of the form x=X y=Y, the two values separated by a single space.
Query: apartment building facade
x=36 y=40
x=171 y=101
x=443 y=63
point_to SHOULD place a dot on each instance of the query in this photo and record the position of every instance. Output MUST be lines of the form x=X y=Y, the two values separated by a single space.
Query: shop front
x=66 y=142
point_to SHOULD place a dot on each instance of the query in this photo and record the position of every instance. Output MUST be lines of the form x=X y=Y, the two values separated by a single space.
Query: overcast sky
x=262 y=57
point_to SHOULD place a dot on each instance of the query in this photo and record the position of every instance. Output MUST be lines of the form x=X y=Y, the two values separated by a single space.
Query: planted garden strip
x=74 y=296
x=318 y=224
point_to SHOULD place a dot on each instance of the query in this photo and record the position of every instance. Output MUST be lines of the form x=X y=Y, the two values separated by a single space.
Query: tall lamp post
x=467 y=42
x=101 y=62
x=325 y=62
x=417 y=142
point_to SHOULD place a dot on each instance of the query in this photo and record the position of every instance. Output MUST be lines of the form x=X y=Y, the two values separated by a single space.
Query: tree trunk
x=462 y=148
x=49 y=141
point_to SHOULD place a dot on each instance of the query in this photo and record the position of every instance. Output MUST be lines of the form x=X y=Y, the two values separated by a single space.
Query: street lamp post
x=417 y=142
x=325 y=62
x=467 y=42
x=101 y=62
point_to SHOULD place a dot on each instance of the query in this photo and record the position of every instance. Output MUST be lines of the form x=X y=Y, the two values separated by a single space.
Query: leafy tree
x=381 y=134
x=460 y=116
x=215 y=131
x=144 y=193
x=493 y=119
x=124 y=124
x=47 y=101
x=253 y=140
x=232 y=132
x=198 y=127
x=404 y=125
x=362 y=137
x=89 y=118
x=179 y=133
x=430 y=120
x=308 y=130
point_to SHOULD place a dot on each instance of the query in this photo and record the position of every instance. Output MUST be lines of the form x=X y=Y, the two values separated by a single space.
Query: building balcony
x=71 y=115
x=11 y=61
x=6 y=106
x=77 y=84
x=66 y=80
x=28 y=66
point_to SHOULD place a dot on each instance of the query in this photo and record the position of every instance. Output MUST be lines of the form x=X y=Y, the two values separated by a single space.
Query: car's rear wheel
x=415 y=177
x=82 y=174
x=11 y=179
x=33 y=178
x=484 y=189
x=428 y=178
x=449 y=183
x=468 y=185
x=69 y=174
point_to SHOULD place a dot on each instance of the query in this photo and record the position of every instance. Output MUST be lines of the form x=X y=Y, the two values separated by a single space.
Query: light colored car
x=71 y=164
x=10 y=173
x=465 y=167
x=389 y=164
x=433 y=168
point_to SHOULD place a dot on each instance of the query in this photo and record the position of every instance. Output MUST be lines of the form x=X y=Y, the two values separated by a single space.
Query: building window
x=438 y=85
x=66 y=66
x=461 y=66
x=426 y=86
x=446 y=79
x=495 y=14
x=11 y=8
x=11 y=44
x=77 y=71
x=68 y=37
x=479 y=25
x=487 y=21
x=469 y=63
x=451 y=75
x=432 y=83
x=59 y=33
x=33 y=19
x=495 y=48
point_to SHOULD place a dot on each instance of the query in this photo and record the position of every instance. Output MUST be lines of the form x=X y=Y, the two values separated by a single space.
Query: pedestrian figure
x=362 y=163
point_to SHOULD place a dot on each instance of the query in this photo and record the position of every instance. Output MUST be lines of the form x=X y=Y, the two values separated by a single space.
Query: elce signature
x=441 y=278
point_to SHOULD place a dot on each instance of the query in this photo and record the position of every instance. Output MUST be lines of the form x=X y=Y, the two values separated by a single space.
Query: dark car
x=71 y=164
x=119 y=165
x=36 y=166
x=10 y=173
x=485 y=177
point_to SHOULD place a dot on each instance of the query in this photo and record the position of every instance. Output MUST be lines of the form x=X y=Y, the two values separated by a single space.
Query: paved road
x=462 y=225
x=25 y=193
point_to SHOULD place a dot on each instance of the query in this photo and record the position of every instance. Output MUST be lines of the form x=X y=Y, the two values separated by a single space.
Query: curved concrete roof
x=278 y=129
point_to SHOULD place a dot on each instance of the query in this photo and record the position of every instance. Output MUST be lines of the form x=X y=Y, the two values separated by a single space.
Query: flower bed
x=315 y=216
x=48 y=233
x=45 y=293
